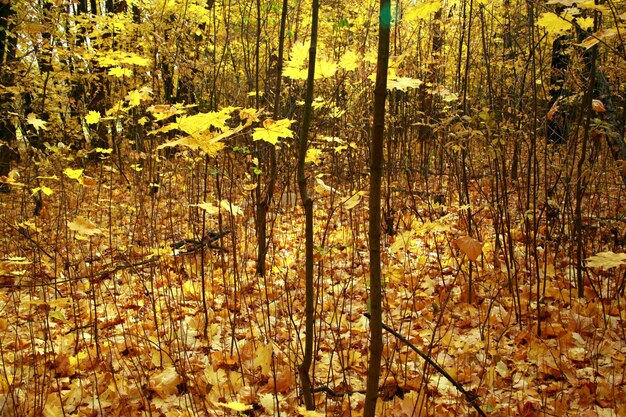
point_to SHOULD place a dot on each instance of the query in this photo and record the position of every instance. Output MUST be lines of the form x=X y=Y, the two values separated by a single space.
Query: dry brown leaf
x=471 y=247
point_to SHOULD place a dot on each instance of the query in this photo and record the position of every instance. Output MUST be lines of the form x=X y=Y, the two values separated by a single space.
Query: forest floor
x=110 y=304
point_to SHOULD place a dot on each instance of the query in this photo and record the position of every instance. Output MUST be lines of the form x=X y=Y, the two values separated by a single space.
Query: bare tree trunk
x=376 y=168
x=307 y=203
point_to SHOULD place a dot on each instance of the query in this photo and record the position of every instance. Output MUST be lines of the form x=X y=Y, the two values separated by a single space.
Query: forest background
x=152 y=246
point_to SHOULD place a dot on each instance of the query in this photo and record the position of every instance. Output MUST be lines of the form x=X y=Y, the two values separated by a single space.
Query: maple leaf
x=92 y=117
x=32 y=119
x=203 y=121
x=471 y=247
x=43 y=189
x=353 y=200
x=83 y=226
x=606 y=260
x=235 y=405
x=120 y=72
x=74 y=174
x=263 y=358
x=324 y=69
x=554 y=24
x=313 y=155
x=272 y=130
x=402 y=83
x=349 y=61
x=295 y=73
x=423 y=10
x=323 y=189
x=135 y=97
x=208 y=143
x=249 y=115
x=302 y=411
x=165 y=382
x=231 y=208
x=208 y=207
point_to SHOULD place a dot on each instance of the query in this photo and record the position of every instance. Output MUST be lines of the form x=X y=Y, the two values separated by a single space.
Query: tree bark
x=376 y=168
x=307 y=203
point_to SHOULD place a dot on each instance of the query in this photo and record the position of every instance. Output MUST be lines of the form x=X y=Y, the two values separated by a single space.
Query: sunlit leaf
x=165 y=382
x=402 y=83
x=273 y=130
x=231 y=208
x=208 y=207
x=120 y=72
x=92 y=117
x=302 y=411
x=323 y=189
x=202 y=121
x=325 y=69
x=313 y=155
x=43 y=189
x=74 y=174
x=423 y=10
x=295 y=73
x=349 y=61
x=353 y=201
x=236 y=406
x=249 y=115
x=606 y=260
x=83 y=226
x=471 y=247
x=553 y=23
x=37 y=123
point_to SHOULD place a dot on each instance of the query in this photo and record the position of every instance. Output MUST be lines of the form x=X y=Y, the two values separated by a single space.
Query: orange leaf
x=471 y=247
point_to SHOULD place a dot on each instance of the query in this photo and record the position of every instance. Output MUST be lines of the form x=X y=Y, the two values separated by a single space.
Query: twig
x=471 y=397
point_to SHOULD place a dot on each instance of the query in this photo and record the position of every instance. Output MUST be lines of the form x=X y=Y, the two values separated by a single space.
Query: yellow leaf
x=249 y=115
x=313 y=155
x=208 y=207
x=325 y=69
x=553 y=23
x=403 y=240
x=323 y=189
x=206 y=142
x=134 y=98
x=353 y=201
x=134 y=59
x=84 y=226
x=120 y=72
x=423 y=10
x=272 y=130
x=295 y=73
x=349 y=61
x=236 y=406
x=263 y=358
x=231 y=208
x=74 y=174
x=299 y=53
x=309 y=413
x=202 y=121
x=606 y=260
x=32 y=119
x=165 y=382
x=402 y=83
x=92 y=117
x=43 y=189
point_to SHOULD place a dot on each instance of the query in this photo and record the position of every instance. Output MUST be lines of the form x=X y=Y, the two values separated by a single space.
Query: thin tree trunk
x=376 y=168
x=307 y=203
